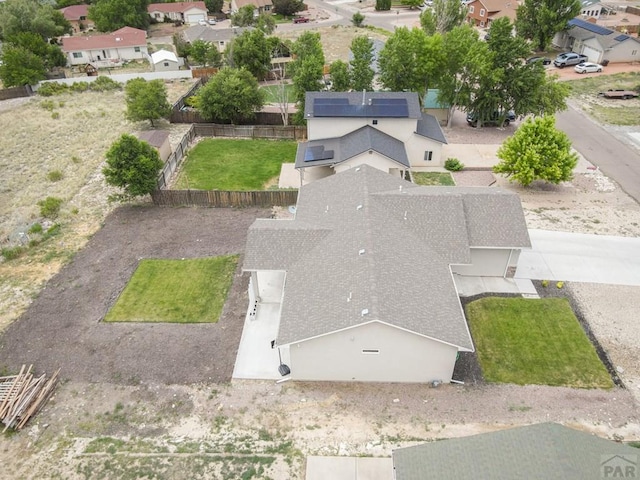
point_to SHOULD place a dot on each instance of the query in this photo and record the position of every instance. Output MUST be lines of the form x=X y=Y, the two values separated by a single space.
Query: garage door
x=592 y=54
x=195 y=17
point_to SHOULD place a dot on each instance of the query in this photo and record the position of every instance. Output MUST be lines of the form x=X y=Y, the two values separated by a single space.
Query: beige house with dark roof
x=363 y=276
x=386 y=130
x=482 y=12
x=188 y=12
x=262 y=6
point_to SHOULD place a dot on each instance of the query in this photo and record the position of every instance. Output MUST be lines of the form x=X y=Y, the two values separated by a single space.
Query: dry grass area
x=69 y=139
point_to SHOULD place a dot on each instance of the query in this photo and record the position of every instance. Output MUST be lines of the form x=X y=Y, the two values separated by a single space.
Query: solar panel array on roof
x=591 y=27
x=621 y=38
x=376 y=107
x=317 y=153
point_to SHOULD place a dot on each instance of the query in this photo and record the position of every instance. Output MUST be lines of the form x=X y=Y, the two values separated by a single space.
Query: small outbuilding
x=159 y=139
x=164 y=61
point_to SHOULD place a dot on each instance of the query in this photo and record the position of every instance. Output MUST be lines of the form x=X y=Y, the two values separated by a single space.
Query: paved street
x=617 y=160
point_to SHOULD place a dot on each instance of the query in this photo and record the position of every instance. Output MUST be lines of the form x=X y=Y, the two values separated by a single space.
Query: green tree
x=20 y=67
x=244 y=17
x=110 y=15
x=443 y=17
x=50 y=54
x=232 y=95
x=539 y=20
x=361 y=70
x=133 y=166
x=146 y=100
x=266 y=23
x=287 y=7
x=307 y=69
x=205 y=53
x=357 y=19
x=340 y=79
x=251 y=51
x=537 y=151
x=383 y=5
x=214 y=6
x=410 y=61
x=19 y=16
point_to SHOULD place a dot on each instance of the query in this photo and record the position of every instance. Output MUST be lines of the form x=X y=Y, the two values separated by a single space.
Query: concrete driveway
x=579 y=257
x=349 y=468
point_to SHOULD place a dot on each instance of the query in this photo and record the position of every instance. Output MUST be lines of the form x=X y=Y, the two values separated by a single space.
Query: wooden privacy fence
x=174 y=160
x=221 y=198
x=16 y=92
x=290 y=132
x=191 y=115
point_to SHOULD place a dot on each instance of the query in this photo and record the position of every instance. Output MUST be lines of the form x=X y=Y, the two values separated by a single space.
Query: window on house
x=77 y=54
x=82 y=17
x=634 y=53
x=481 y=24
x=370 y=351
x=482 y=12
x=136 y=49
x=471 y=9
x=166 y=64
x=428 y=156
x=375 y=122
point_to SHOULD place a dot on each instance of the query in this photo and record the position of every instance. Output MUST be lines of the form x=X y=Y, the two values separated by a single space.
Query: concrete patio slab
x=289 y=176
x=576 y=257
x=349 y=468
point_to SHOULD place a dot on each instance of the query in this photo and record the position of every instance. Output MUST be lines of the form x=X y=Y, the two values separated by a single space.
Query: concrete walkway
x=349 y=468
x=580 y=257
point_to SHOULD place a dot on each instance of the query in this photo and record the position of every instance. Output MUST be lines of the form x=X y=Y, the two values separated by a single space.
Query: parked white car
x=202 y=22
x=588 y=67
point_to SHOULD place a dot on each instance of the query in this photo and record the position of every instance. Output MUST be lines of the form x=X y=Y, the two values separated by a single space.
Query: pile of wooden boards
x=22 y=395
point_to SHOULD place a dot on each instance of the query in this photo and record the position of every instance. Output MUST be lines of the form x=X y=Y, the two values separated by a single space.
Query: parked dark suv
x=493 y=120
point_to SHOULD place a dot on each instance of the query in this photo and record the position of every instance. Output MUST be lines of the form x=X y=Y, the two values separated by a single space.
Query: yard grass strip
x=176 y=291
x=234 y=164
x=433 y=178
x=534 y=341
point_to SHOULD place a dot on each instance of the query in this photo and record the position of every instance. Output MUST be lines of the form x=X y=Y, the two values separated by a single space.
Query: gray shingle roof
x=546 y=450
x=429 y=127
x=354 y=143
x=383 y=244
x=356 y=98
x=208 y=34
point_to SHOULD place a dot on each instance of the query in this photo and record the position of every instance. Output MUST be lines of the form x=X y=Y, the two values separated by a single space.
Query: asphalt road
x=616 y=159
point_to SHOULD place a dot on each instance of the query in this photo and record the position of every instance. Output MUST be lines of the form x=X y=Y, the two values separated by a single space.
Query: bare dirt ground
x=155 y=401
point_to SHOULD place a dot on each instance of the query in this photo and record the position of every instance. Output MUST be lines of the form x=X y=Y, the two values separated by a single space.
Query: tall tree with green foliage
x=232 y=95
x=205 y=53
x=133 y=166
x=443 y=16
x=537 y=151
x=266 y=23
x=214 y=6
x=20 y=16
x=410 y=60
x=287 y=7
x=339 y=74
x=244 y=17
x=307 y=69
x=110 y=15
x=20 y=67
x=50 y=54
x=146 y=100
x=361 y=70
x=251 y=51
x=540 y=20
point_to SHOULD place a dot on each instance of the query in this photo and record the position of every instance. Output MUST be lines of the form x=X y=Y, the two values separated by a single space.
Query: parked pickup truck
x=569 y=58
x=623 y=94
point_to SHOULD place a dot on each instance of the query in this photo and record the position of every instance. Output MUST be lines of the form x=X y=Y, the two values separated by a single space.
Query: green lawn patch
x=527 y=341
x=433 y=178
x=273 y=93
x=232 y=164
x=176 y=291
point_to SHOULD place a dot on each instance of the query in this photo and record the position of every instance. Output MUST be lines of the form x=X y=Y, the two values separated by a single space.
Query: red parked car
x=300 y=19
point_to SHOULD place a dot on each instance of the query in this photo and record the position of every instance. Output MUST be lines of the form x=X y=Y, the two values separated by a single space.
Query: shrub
x=545 y=283
x=11 y=253
x=48 y=105
x=55 y=115
x=559 y=285
x=104 y=84
x=75 y=159
x=54 y=176
x=453 y=165
x=357 y=19
x=35 y=228
x=50 y=207
x=79 y=87
x=52 y=88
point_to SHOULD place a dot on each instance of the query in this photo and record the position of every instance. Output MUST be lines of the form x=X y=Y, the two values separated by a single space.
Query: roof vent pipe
x=365 y=311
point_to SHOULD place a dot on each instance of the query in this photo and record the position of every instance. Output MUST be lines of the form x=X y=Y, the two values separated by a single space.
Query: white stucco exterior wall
x=401 y=356
x=373 y=159
x=488 y=262
x=416 y=148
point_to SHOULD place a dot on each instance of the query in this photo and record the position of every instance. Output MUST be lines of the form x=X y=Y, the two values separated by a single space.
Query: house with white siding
x=106 y=50
x=187 y=12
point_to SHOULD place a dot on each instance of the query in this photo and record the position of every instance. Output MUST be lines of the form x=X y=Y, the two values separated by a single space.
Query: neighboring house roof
x=215 y=35
x=583 y=30
x=163 y=56
x=331 y=151
x=178 y=7
x=495 y=5
x=359 y=104
x=125 y=37
x=547 y=450
x=255 y=3
x=366 y=241
x=155 y=138
x=75 y=12
x=429 y=127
